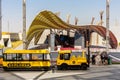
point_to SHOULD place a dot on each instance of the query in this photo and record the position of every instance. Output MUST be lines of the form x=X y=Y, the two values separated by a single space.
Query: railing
x=115 y=58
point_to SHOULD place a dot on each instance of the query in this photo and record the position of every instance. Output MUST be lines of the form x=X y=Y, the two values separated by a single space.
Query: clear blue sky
x=83 y=9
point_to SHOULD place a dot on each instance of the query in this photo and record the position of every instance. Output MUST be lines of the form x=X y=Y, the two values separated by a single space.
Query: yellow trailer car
x=26 y=60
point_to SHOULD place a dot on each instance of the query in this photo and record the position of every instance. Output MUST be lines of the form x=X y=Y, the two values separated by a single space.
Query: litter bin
x=109 y=61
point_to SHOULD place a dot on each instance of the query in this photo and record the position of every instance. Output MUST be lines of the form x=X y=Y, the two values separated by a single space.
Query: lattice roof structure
x=48 y=20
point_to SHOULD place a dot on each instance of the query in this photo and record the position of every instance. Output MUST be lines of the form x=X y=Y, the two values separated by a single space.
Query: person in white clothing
x=98 y=59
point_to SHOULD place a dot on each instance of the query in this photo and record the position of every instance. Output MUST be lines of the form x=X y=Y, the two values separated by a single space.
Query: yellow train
x=26 y=60
x=66 y=60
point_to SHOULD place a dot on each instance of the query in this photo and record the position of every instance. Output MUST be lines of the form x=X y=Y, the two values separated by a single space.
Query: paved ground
x=94 y=73
x=111 y=72
x=8 y=76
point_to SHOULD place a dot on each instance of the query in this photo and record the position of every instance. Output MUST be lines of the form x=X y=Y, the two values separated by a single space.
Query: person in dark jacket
x=93 y=59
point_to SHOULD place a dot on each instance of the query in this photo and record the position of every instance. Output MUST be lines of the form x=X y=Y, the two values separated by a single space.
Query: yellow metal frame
x=64 y=51
x=11 y=51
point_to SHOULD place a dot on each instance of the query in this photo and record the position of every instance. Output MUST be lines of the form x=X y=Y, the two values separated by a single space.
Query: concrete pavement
x=108 y=72
x=105 y=72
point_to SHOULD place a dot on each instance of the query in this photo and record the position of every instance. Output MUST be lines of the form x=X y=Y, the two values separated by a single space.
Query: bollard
x=109 y=61
x=53 y=69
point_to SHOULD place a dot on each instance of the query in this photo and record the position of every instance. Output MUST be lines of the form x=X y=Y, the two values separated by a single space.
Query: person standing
x=98 y=59
x=93 y=59
x=102 y=58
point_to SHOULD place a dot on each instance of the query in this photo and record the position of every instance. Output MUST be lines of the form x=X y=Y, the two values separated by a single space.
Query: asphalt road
x=106 y=72
x=8 y=76
x=111 y=72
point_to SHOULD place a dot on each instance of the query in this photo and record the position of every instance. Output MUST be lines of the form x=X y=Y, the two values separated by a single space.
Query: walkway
x=107 y=72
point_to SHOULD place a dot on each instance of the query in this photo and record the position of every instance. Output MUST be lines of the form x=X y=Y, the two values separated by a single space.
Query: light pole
x=107 y=25
x=88 y=44
x=0 y=19
x=24 y=24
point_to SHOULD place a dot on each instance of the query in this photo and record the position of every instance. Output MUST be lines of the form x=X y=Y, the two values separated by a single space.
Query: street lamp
x=24 y=24
x=107 y=25
x=0 y=20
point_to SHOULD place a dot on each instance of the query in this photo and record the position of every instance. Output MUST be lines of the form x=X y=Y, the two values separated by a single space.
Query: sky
x=84 y=10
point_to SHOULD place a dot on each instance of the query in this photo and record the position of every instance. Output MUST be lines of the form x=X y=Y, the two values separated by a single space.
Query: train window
x=4 y=57
x=26 y=57
x=67 y=56
x=61 y=56
x=10 y=57
x=37 y=57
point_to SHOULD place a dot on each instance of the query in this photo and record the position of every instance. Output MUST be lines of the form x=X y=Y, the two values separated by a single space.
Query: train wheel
x=84 y=67
x=64 y=66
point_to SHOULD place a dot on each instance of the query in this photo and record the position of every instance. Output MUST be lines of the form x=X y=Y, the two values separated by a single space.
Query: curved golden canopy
x=48 y=20
x=45 y=20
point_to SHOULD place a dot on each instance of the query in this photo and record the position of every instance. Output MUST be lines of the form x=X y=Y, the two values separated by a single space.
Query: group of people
x=100 y=58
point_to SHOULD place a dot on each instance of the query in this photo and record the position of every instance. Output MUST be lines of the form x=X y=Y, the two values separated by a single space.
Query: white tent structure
x=5 y=40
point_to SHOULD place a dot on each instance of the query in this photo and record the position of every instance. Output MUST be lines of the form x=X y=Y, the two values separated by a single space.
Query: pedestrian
x=102 y=58
x=93 y=59
x=106 y=59
x=98 y=59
